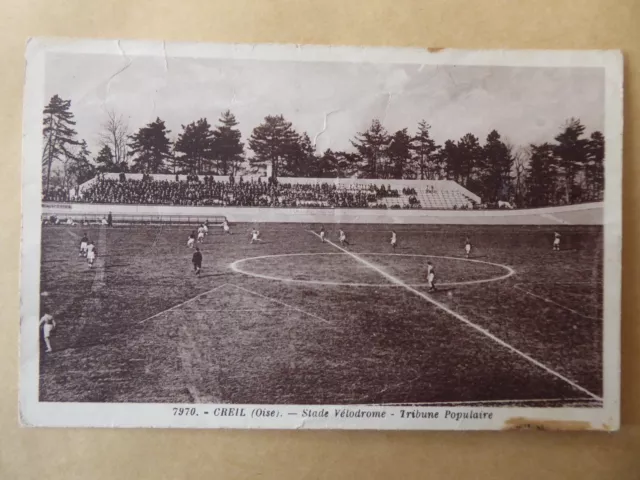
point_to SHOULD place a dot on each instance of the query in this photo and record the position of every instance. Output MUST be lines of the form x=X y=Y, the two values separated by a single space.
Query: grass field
x=309 y=323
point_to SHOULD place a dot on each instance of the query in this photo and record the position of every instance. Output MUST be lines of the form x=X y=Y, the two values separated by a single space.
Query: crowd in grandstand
x=207 y=191
x=195 y=190
x=57 y=194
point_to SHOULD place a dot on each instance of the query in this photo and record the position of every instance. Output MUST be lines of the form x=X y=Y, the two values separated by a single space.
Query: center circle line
x=235 y=266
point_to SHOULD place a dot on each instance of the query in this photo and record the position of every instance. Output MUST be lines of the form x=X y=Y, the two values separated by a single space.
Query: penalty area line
x=182 y=303
x=72 y=234
x=547 y=300
x=280 y=302
x=464 y=320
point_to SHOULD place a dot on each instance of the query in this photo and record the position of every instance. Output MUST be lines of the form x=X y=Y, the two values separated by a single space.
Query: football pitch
x=292 y=320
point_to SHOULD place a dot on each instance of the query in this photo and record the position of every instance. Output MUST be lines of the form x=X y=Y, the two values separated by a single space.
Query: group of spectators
x=413 y=201
x=382 y=192
x=208 y=191
x=205 y=190
x=56 y=194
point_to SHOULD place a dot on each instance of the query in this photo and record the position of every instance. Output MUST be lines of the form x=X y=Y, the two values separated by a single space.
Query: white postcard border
x=35 y=413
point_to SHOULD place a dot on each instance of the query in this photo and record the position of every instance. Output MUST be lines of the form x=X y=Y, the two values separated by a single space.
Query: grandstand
x=251 y=190
x=436 y=199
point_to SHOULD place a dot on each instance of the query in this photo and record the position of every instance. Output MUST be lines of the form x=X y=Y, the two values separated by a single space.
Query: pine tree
x=450 y=159
x=372 y=147
x=469 y=159
x=325 y=165
x=347 y=164
x=302 y=160
x=462 y=160
x=571 y=153
x=81 y=169
x=194 y=148
x=594 y=168
x=425 y=153
x=228 y=149
x=400 y=158
x=540 y=176
x=151 y=148
x=59 y=135
x=495 y=174
x=105 y=160
x=273 y=142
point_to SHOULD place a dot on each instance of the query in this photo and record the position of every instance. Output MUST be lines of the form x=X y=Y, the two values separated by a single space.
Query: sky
x=329 y=101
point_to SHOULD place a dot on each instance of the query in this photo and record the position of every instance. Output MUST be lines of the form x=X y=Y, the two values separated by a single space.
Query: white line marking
x=96 y=372
x=282 y=303
x=186 y=348
x=183 y=303
x=230 y=310
x=155 y=241
x=465 y=321
x=195 y=394
x=198 y=310
x=593 y=284
x=235 y=266
x=73 y=234
x=547 y=300
x=484 y=402
x=97 y=283
x=554 y=218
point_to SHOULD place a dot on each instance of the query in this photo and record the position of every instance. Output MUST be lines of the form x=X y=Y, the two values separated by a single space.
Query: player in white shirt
x=200 y=234
x=394 y=239
x=104 y=221
x=71 y=222
x=192 y=240
x=225 y=227
x=48 y=324
x=255 y=236
x=322 y=234
x=343 y=238
x=556 y=242
x=431 y=277
x=205 y=228
x=91 y=254
x=467 y=246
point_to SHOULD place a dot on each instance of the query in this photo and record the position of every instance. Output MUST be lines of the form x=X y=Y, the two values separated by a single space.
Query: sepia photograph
x=283 y=236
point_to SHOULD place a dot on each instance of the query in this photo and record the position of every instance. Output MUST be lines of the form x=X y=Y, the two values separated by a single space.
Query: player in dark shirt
x=197 y=261
x=84 y=243
x=431 y=277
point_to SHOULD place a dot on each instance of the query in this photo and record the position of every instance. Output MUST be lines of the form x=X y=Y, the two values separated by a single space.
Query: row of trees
x=568 y=170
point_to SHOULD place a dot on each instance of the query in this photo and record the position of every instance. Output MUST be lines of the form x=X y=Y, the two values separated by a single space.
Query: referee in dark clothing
x=197 y=261
x=109 y=220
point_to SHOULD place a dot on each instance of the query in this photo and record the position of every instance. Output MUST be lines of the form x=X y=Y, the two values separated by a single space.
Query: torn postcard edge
x=286 y=237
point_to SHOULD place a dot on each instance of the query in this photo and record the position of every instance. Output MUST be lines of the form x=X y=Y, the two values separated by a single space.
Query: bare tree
x=521 y=158
x=115 y=133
